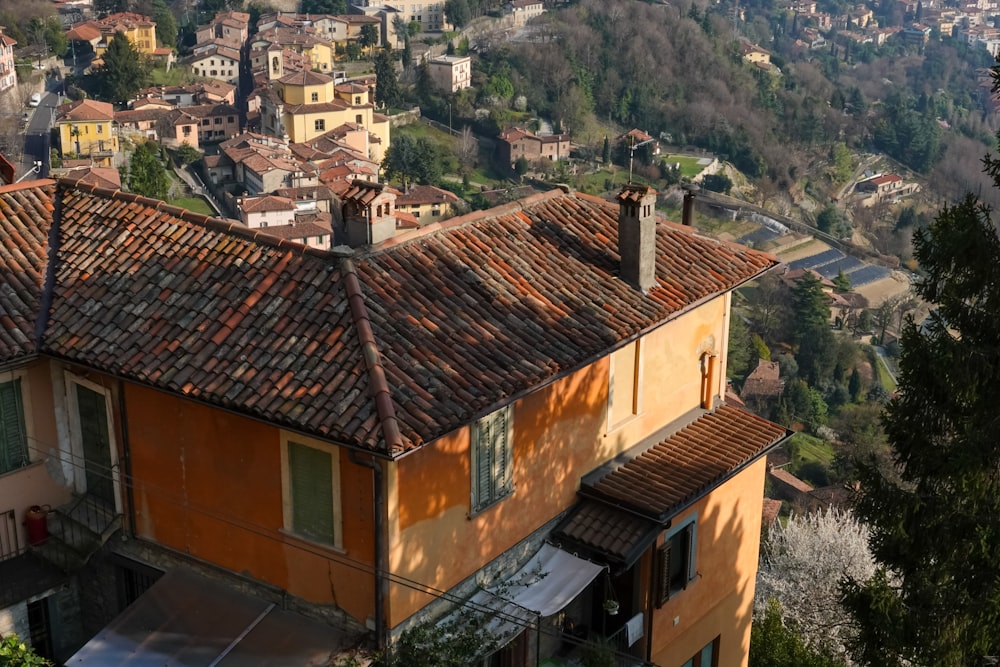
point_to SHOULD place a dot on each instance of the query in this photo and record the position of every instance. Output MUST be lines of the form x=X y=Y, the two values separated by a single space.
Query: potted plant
x=611 y=606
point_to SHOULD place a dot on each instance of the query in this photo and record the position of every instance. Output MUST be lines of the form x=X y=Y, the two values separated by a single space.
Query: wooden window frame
x=288 y=517
x=491 y=459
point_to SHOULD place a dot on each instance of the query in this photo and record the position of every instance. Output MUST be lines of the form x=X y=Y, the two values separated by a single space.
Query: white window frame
x=76 y=439
x=286 y=491
x=497 y=452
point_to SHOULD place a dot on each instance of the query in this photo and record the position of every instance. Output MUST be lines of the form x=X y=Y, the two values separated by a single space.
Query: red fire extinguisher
x=36 y=520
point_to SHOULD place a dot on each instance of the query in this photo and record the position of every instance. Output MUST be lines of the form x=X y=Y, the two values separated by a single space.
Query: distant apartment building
x=8 y=73
x=450 y=73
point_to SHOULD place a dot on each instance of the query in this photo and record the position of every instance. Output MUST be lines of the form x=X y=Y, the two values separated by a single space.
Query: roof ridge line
x=378 y=384
x=472 y=216
x=221 y=225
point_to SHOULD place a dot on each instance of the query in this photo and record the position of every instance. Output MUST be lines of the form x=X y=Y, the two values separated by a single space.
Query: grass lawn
x=689 y=165
x=175 y=77
x=193 y=204
x=884 y=378
x=812 y=459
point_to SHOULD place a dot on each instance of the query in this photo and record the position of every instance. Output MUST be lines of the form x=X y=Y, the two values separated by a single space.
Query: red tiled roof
x=675 y=472
x=25 y=217
x=265 y=203
x=84 y=110
x=425 y=194
x=386 y=350
x=616 y=535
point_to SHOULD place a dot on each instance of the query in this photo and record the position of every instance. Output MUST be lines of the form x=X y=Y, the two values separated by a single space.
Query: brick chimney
x=637 y=235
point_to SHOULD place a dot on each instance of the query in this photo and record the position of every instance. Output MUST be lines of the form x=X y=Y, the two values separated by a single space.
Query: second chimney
x=637 y=235
x=687 y=215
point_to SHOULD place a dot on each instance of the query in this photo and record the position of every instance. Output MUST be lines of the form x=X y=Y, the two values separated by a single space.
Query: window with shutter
x=311 y=493
x=492 y=459
x=13 y=434
x=675 y=562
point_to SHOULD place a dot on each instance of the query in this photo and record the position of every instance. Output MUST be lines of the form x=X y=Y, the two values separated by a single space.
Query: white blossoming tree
x=802 y=565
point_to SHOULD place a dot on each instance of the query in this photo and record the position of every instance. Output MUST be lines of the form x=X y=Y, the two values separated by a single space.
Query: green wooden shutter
x=502 y=463
x=491 y=459
x=482 y=465
x=311 y=473
x=663 y=574
x=13 y=437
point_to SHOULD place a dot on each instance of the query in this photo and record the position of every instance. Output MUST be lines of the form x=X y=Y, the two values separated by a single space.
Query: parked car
x=36 y=99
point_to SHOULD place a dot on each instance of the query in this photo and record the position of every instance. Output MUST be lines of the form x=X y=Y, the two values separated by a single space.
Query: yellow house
x=139 y=29
x=308 y=105
x=85 y=129
x=317 y=50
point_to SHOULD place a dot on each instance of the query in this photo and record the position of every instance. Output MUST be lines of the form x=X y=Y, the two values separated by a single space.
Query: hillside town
x=326 y=339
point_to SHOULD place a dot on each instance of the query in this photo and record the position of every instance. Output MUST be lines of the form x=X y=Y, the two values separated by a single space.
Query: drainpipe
x=126 y=477
x=381 y=556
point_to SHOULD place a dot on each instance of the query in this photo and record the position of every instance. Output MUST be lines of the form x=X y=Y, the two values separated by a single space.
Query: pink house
x=8 y=75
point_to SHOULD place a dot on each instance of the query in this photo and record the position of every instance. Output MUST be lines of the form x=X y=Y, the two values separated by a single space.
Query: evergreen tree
x=147 y=175
x=816 y=353
x=412 y=159
x=323 y=7
x=166 y=25
x=854 y=386
x=842 y=282
x=124 y=71
x=606 y=151
x=386 y=83
x=369 y=36
x=935 y=513
x=457 y=12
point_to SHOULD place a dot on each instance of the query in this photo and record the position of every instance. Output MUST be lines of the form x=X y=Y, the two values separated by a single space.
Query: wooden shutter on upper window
x=13 y=438
x=502 y=464
x=663 y=574
x=685 y=555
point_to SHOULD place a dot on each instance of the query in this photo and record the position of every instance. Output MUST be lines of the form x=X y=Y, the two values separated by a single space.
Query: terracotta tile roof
x=265 y=203
x=320 y=107
x=306 y=78
x=404 y=343
x=612 y=533
x=296 y=232
x=675 y=472
x=763 y=381
x=769 y=512
x=425 y=194
x=84 y=110
x=85 y=32
x=25 y=218
x=791 y=480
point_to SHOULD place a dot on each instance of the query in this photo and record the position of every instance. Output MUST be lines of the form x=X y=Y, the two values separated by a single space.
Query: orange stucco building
x=515 y=412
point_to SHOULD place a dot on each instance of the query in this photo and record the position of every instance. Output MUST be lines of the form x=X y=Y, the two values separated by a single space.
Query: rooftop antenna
x=631 y=153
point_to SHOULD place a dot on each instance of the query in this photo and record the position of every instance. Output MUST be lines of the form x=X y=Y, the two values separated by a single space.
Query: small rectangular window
x=492 y=458
x=675 y=562
x=312 y=492
x=319 y=125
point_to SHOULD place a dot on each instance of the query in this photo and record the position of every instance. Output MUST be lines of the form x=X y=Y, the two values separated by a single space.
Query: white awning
x=549 y=581
x=543 y=586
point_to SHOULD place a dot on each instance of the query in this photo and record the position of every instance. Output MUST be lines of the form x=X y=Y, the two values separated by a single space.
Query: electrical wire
x=107 y=473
